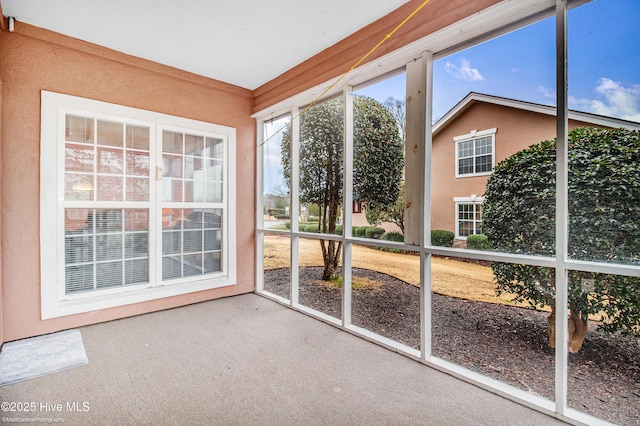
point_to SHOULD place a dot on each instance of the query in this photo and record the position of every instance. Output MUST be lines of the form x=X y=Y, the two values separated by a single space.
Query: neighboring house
x=474 y=136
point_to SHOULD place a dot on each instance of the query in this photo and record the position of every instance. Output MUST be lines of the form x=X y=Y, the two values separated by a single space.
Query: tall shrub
x=604 y=208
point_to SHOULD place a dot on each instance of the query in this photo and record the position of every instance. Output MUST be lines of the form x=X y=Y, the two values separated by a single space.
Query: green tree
x=377 y=166
x=604 y=207
x=393 y=213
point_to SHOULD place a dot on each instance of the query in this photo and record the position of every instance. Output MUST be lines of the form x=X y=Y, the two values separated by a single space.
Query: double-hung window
x=135 y=205
x=468 y=216
x=475 y=153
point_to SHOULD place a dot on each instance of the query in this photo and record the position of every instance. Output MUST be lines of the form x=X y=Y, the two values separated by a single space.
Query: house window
x=357 y=206
x=468 y=216
x=135 y=205
x=475 y=153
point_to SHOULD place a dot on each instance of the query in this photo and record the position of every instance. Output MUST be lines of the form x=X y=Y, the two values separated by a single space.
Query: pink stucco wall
x=32 y=60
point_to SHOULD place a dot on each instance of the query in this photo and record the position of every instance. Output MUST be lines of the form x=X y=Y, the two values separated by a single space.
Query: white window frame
x=472 y=136
x=474 y=200
x=54 y=301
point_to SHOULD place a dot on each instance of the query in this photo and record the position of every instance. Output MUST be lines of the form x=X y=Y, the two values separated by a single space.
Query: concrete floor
x=246 y=360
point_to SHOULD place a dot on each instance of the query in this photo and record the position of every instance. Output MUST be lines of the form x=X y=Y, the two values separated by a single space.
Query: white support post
x=260 y=206
x=425 y=270
x=562 y=212
x=295 y=205
x=348 y=202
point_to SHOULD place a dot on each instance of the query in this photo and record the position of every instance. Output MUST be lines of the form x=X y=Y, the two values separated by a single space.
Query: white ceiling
x=242 y=42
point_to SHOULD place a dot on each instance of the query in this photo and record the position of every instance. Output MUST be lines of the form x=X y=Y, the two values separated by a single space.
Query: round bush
x=393 y=236
x=478 y=242
x=374 y=233
x=360 y=231
x=442 y=238
x=310 y=227
x=338 y=230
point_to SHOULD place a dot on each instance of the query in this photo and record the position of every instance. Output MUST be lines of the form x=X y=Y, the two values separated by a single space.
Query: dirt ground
x=495 y=339
x=449 y=277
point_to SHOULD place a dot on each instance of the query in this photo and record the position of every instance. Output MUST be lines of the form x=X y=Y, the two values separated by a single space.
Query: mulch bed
x=506 y=343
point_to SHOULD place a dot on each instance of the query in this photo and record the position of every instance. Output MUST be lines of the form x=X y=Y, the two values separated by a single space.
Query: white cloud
x=547 y=93
x=614 y=99
x=464 y=71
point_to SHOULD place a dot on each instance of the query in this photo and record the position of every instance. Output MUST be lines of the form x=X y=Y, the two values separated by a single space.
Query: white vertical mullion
x=347 y=221
x=561 y=356
x=155 y=208
x=294 y=148
x=260 y=205
x=425 y=270
x=94 y=246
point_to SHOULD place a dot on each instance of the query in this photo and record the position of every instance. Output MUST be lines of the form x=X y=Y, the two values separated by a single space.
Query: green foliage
x=360 y=231
x=393 y=236
x=374 y=233
x=378 y=153
x=394 y=213
x=378 y=157
x=442 y=238
x=338 y=229
x=287 y=225
x=604 y=207
x=311 y=227
x=478 y=242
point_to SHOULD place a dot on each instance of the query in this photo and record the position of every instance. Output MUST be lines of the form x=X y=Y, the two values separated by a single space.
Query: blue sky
x=604 y=69
x=604 y=64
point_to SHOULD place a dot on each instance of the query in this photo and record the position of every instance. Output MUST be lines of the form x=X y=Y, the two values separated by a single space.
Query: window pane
x=138 y=163
x=465 y=166
x=491 y=335
x=172 y=143
x=110 y=161
x=110 y=133
x=98 y=239
x=137 y=189
x=277 y=265
x=137 y=137
x=276 y=169
x=110 y=188
x=316 y=292
x=379 y=186
x=136 y=271
x=79 y=129
x=109 y=274
x=79 y=278
x=386 y=293
x=191 y=242
x=321 y=172
x=79 y=158
x=78 y=186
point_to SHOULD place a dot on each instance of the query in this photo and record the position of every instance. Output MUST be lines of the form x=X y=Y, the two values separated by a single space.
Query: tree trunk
x=577 y=330
x=329 y=253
